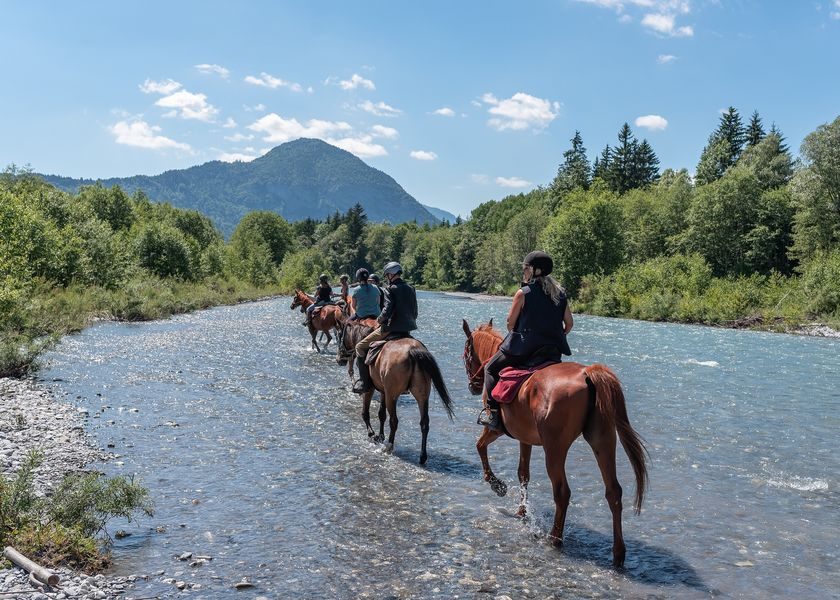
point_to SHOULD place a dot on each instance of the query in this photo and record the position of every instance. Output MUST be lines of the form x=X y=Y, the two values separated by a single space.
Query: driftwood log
x=45 y=576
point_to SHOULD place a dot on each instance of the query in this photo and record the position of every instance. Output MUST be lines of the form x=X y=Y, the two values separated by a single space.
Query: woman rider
x=323 y=296
x=364 y=299
x=538 y=322
x=345 y=289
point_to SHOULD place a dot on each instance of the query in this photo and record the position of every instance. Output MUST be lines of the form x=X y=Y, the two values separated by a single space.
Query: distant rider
x=364 y=298
x=323 y=296
x=538 y=322
x=374 y=279
x=398 y=316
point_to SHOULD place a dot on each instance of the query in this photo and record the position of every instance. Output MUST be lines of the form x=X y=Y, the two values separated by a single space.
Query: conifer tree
x=645 y=166
x=755 y=130
x=575 y=170
x=601 y=168
x=620 y=173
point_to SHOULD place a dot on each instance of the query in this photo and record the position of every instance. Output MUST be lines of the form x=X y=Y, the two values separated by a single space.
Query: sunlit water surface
x=255 y=454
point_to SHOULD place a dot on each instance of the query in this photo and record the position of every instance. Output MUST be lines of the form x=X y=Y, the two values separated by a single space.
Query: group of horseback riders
x=538 y=321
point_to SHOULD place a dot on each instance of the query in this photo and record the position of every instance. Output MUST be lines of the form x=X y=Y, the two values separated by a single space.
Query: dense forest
x=753 y=238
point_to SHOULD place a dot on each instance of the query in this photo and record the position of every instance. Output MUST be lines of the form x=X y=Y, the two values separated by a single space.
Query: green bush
x=164 y=251
x=821 y=284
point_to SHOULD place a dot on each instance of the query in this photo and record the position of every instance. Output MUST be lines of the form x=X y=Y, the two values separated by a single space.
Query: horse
x=403 y=365
x=552 y=409
x=328 y=318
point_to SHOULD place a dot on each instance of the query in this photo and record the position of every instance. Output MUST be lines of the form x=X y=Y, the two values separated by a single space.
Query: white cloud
x=167 y=86
x=255 y=108
x=479 y=178
x=236 y=156
x=380 y=109
x=229 y=124
x=660 y=14
x=269 y=81
x=423 y=155
x=276 y=129
x=664 y=59
x=239 y=137
x=512 y=182
x=664 y=24
x=140 y=134
x=209 y=69
x=354 y=82
x=444 y=112
x=652 y=122
x=188 y=106
x=362 y=146
x=835 y=14
x=385 y=132
x=520 y=111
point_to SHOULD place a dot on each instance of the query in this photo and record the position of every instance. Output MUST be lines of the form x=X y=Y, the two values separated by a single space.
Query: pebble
x=32 y=418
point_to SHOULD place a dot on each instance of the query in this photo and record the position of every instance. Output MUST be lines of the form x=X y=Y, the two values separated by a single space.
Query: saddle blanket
x=376 y=347
x=512 y=378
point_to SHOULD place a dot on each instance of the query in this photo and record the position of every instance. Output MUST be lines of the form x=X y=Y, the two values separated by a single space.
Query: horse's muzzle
x=475 y=388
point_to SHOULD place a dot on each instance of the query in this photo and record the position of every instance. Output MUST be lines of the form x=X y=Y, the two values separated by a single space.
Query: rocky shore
x=31 y=418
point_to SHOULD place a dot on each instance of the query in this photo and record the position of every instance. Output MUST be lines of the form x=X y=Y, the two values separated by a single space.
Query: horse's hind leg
x=601 y=437
x=390 y=401
x=487 y=437
x=555 y=462
x=422 y=397
x=366 y=398
x=382 y=413
x=524 y=477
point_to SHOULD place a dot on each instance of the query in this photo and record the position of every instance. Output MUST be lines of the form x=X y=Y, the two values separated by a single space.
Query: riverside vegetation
x=752 y=239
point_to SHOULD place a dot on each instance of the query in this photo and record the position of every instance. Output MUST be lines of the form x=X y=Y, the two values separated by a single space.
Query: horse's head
x=481 y=344
x=298 y=300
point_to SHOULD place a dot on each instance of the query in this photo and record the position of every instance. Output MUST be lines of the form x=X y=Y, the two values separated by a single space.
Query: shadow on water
x=453 y=465
x=645 y=563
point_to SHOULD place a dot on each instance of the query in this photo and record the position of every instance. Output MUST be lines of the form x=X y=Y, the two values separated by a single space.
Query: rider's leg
x=499 y=361
x=364 y=383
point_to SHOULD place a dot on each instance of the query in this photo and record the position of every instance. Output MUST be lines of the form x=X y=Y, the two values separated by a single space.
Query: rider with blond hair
x=538 y=322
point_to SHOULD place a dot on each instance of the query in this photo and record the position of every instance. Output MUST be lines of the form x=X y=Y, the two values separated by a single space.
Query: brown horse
x=403 y=365
x=553 y=407
x=325 y=319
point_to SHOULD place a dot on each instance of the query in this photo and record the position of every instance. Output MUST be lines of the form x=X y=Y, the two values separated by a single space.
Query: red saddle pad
x=511 y=379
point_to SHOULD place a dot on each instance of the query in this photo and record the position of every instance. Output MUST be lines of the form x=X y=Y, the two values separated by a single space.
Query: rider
x=398 y=316
x=323 y=296
x=345 y=289
x=538 y=322
x=374 y=279
x=364 y=298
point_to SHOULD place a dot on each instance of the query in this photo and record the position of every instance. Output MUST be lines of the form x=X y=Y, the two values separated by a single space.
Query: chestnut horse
x=552 y=408
x=403 y=365
x=328 y=318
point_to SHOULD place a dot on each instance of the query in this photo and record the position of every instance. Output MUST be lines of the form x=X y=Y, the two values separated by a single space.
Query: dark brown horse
x=552 y=409
x=326 y=319
x=404 y=365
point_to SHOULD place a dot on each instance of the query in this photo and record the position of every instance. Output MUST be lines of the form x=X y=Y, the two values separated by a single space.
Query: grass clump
x=67 y=527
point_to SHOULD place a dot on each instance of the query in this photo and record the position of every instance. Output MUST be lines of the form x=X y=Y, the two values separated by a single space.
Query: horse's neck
x=306 y=301
x=486 y=344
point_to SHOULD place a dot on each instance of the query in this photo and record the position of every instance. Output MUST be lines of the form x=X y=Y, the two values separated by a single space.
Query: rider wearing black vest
x=538 y=322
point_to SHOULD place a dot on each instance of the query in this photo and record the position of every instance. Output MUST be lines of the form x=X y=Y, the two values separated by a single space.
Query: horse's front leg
x=329 y=339
x=366 y=398
x=524 y=477
x=382 y=412
x=487 y=437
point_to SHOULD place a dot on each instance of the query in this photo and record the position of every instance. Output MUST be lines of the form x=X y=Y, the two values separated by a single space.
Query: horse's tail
x=610 y=403
x=423 y=360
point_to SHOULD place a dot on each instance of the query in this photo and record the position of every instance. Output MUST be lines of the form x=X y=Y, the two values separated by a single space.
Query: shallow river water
x=255 y=454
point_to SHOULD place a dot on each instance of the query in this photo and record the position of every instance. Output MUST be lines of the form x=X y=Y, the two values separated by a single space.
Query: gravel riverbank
x=31 y=418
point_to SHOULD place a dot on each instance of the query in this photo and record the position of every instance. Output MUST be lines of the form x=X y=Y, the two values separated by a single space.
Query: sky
x=460 y=102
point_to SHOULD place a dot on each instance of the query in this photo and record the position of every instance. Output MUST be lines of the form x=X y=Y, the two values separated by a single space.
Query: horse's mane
x=486 y=340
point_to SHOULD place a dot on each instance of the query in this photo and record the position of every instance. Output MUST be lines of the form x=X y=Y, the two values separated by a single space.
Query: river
x=255 y=454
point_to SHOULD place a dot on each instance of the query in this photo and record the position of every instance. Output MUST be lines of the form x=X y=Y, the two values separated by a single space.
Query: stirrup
x=491 y=418
x=359 y=387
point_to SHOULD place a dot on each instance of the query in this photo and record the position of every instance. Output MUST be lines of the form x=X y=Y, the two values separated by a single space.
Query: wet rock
x=185 y=556
x=244 y=584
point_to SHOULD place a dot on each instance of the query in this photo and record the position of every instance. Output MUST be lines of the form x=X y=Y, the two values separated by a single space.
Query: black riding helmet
x=324 y=278
x=539 y=260
x=362 y=274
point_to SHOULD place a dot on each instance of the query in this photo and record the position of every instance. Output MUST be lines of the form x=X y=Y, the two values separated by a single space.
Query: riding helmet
x=362 y=274
x=323 y=277
x=392 y=268
x=539 y=260
x=344 y=277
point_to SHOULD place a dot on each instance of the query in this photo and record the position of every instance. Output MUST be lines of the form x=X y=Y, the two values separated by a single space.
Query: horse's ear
x=490 y=323
x=466 y=327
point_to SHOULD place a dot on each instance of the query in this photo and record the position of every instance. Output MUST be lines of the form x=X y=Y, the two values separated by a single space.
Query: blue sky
x=461 y=102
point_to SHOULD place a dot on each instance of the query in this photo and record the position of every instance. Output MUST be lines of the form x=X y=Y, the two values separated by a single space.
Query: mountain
x=440 y=214
x=298 y=179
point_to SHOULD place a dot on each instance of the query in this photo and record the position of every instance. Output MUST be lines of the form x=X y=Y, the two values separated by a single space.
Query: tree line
x=755 y=233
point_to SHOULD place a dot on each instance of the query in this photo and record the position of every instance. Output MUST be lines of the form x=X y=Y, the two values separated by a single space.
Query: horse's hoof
x=389 y=448
x=557 y=542
x=499 y=486
x=522 y=513
x=423 y=459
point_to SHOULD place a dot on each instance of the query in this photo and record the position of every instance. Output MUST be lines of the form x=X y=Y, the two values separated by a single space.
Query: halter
x=475 y=379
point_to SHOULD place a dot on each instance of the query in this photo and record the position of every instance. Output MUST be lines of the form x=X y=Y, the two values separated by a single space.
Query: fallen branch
x=43 y=575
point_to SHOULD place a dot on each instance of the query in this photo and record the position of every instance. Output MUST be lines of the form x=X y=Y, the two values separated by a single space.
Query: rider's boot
x=490 y=416
x=363 y=384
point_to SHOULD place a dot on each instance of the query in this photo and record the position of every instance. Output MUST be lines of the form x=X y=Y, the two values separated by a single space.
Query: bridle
x=475 y=378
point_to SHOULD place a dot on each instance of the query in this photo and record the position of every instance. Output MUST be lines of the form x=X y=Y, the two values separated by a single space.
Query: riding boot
x=490 y=416
x=363 y=384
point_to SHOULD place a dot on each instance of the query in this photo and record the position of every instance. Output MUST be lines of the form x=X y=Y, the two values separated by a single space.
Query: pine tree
x=724 y=147
x=645 y=166
x=778 y=132
x=575 y=170
x=732 y=130
x=755 y=130
x=601 y=168
x=620 y=173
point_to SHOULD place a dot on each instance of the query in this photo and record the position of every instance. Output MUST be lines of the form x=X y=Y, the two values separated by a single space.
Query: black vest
x=540 y=324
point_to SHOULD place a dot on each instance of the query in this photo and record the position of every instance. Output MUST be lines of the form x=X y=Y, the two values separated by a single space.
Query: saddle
x=512 y=378
x=376 y=347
